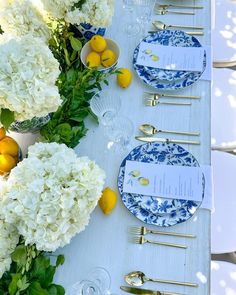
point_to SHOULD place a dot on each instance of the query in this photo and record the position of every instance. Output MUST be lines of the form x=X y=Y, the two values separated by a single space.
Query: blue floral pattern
x=153 y=210
x=88 y=31
x=32 y=126
x=168 y=79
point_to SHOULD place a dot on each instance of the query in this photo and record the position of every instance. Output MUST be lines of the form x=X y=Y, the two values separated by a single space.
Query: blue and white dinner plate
x=152 y=210
x=168 y=79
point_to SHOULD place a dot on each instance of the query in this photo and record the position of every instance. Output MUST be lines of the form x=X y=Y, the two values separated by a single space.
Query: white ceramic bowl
x=112 y=45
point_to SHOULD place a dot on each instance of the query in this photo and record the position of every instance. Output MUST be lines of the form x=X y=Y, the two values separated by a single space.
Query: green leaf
x=41 y=263
x=75 y=43
x=52 y=290
x=47 y=279
x=12 y=289
x=19 y=255
x=36 y=289
x=60 y=289
x=60 y=260
x=7 y=117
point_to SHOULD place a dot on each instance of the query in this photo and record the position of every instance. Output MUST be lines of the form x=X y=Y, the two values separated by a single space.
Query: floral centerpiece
x=46 y=200
x=56 y=83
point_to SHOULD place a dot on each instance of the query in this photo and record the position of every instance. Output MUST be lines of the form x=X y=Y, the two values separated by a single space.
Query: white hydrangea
x=22 y=17
x=98 y=13
x=9 y=238
x=51 y=194
x=58 y=8
x=27 y=78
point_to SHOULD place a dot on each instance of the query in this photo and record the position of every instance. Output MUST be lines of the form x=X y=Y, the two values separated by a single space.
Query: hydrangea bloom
x=95 y=12
x=22 y=17
x=51 y=194
x=58 y=8
x=8 y=241
x=27 y=78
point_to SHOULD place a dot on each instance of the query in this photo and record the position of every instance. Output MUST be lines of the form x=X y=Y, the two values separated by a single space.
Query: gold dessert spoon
x=151 y=130
x=138 y=278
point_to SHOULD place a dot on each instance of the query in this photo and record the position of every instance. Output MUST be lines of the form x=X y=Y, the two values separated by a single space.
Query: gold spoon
x=161 y=26
x=151 y=130
x=164 y=11
x=138 y=278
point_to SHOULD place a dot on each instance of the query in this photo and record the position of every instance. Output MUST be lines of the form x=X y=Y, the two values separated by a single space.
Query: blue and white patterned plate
x=168 y=79
x=152 y=210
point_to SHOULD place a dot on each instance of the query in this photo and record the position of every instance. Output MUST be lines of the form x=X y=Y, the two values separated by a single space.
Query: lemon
x=2 y=133
x=143 y=181
x=98 y=43
x=124 y=77
x=93 y=60
x=9 y=146
x=7 y=162
x=135 y=173
x=108 y=58
x=108 y=200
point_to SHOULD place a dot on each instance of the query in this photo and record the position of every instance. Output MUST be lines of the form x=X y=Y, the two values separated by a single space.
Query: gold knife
x=167 y=140
x=137 y=291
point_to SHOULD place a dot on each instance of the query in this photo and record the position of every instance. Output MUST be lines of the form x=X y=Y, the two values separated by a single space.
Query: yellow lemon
x=108 y=200
x=98 y=43
x=93 y=60
x=135 y=173
x=124 y=77
x=9 y=146
x=143 y=181
x=108 y=58
x=7 y=162
x=2 y=133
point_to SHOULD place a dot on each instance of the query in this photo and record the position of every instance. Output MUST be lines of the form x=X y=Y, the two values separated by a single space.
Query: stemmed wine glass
x=144 y=9
x=98 y=282
x=131 y=28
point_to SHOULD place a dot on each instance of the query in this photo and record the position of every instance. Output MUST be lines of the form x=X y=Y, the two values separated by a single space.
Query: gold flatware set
x=164 y=11
x=153 y=99
x=133 y=290
x=139 y=234
x=155 y=102
x=161 y=26
x=151 y=130
x=138 y=278
x=142 y=230
x=142 y=240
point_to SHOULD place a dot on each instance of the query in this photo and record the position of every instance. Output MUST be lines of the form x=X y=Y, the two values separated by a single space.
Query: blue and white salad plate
x=168 y=79
x=159 y=211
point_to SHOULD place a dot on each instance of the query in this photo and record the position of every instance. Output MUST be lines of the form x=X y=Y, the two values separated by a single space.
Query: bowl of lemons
x=100 y=53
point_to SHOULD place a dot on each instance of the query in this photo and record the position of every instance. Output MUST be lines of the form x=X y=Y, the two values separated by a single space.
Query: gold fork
x=142 y=240
x=144 y=231
x=156 y=96
x=155 y=102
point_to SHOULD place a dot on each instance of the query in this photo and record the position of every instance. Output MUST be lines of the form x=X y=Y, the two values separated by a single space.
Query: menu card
x=167 y=181
x=171 y=57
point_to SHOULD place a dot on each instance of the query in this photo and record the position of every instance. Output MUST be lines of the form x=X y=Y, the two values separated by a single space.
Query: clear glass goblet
x=85 y=287
x=101 y=278
x=119 y=132
x=131 y=27
x=143 y=10
x=105 y=107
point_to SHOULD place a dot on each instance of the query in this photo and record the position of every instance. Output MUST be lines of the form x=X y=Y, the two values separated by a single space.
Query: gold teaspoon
x=151 y=130
x=138 y=278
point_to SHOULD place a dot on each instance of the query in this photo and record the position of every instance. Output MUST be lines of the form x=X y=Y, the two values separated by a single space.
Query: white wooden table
x=105 y=241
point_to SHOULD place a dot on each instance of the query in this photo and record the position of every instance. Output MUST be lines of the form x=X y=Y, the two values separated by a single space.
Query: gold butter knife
x=167 y=140
x=133 y=290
